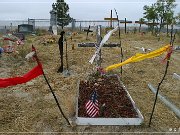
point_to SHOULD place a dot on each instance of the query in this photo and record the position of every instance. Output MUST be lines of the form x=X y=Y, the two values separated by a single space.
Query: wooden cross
x=125 y=22
x=88 y=30
x=140 y=22
x=99 y=38
x=150 y=23
x=111 y=19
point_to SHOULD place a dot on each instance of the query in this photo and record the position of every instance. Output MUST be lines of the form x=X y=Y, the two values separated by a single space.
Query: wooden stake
x=125 y=25
x=67 y=66
x=37 y=60
x=121 y=59
x=167 y=65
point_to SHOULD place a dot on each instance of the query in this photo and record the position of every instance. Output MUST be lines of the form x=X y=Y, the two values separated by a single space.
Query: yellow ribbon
x=139 y=57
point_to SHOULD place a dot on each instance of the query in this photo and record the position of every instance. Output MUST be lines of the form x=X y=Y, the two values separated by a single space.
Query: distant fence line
x=77 y=24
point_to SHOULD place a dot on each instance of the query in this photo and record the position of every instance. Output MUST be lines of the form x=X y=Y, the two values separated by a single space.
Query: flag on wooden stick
x=92 y=107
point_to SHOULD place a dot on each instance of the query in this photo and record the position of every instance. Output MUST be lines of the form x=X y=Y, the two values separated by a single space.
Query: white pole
x=171 y=106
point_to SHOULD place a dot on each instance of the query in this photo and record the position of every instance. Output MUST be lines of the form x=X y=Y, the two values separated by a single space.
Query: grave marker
x=111 y=19
x=25 y=28
x=88 y=30
x=99 y=38
x=125 y=22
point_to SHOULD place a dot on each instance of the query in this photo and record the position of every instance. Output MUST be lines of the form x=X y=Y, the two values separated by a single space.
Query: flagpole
x=167 y=65
x=60 y=109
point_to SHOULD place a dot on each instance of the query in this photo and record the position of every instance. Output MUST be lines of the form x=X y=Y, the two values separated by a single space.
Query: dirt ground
x=31 y=108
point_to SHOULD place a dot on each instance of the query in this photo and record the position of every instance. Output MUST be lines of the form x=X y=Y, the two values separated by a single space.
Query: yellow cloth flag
x=139 y=57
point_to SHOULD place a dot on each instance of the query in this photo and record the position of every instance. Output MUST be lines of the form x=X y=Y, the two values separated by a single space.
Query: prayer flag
x=35 y=72
x=139 y=57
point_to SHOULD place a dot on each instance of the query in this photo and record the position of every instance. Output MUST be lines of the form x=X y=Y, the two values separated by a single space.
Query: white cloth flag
x=106 y=37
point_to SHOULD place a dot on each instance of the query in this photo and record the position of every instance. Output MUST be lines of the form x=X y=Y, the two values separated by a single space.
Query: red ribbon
x=35 y=72
x=168 y=54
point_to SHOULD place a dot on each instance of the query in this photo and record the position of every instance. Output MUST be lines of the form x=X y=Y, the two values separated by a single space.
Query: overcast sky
x=79 y=9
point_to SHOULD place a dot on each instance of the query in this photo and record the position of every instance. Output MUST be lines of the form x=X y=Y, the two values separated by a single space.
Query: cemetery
x=83 y=78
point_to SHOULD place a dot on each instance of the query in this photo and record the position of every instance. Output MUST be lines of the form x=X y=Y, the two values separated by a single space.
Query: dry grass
x=30 y=107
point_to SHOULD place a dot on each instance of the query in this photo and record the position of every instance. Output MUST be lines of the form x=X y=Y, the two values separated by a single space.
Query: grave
x=25 y=28
x=92 y=44
x=103 y=99
x=116 y=105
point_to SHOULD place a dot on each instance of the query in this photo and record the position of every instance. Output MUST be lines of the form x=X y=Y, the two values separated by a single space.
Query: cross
x=125 y=22
x=150 y=23
x=139 y=22
x=88 y=30
x=111 y=19
x=99 y=38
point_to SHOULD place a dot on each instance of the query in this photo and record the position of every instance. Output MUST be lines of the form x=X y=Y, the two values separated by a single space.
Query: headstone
x=25 y=28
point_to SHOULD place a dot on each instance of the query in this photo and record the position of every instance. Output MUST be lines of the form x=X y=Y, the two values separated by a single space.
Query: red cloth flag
x=35 y=72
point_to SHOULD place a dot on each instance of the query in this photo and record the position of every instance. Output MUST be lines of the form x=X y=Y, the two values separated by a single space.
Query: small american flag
x=91 y=106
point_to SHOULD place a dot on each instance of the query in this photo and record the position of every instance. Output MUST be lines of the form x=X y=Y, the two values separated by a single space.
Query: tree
x=165 y=12
x=62 y=9
x=161 y=12
x=151 y=14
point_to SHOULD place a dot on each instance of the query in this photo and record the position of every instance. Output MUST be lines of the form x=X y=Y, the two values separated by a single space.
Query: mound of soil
x=109 y=92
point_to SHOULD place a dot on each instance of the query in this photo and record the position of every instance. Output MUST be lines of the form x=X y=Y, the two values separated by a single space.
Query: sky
x=79 y=9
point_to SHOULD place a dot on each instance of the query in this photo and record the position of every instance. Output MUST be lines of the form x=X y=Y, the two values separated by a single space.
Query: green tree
x=151 y=15
x=62 y=9
x=165 y=12
x=160 y=12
